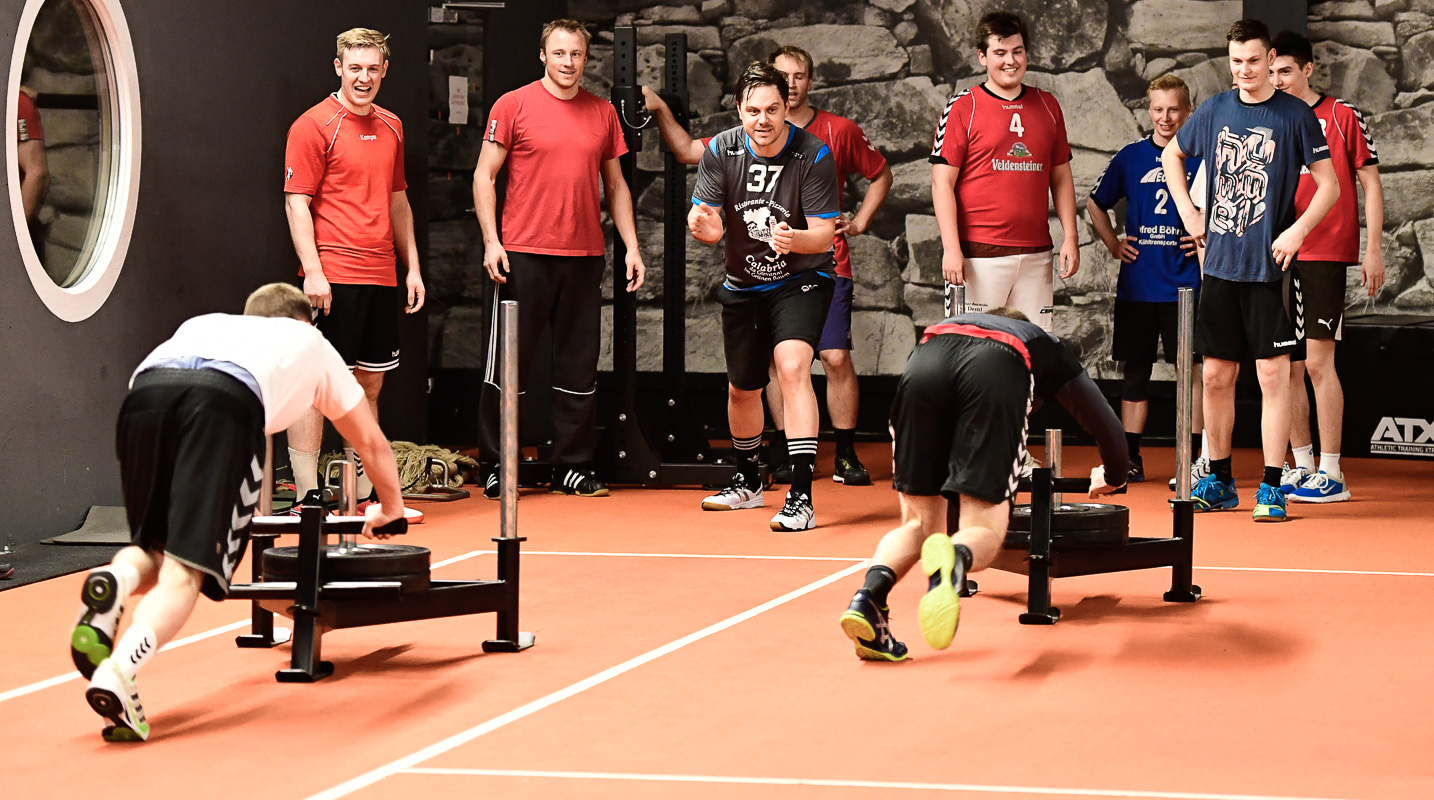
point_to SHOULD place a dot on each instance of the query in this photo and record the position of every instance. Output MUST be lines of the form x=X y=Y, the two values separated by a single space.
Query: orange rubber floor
x=683 y=653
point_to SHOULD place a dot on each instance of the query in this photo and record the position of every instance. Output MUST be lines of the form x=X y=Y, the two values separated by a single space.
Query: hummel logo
x=1328 y=323
x=1290 y=343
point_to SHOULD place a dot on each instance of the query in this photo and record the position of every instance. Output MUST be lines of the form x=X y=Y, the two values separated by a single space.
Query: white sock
x=1329 y=465
x=128 y=576
x=363 y=486
x=1204 y=445
x=135 y=648
x=306 y=471
x=1304 y=457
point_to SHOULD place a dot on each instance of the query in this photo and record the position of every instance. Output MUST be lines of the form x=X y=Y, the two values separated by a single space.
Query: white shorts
x=1025 y=282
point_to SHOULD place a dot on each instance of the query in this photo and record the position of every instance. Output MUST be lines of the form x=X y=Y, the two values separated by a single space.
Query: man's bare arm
x=619 y=207
x=687 y=149
x=1372 y=268
x=876 y=193
x=943 y=204
x=34 y=175
x=401 y=217
x=485 y=205
x=1063 y=196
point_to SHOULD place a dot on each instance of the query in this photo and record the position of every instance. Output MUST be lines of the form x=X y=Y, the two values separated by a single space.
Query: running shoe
x=1211 y=494
x=116 y=698
x=1028 y=464
x=736 y=494
x=1137 y=470
x=868 y=626
x=780 y=470
x=1269 y=504
x=578 y=481
x=1321 y=487
x=93 y=636
x=797 y=514
x=490 y=481
x=1293 y=478
x=849 y=470
x=1199 y=468
x=940 y=609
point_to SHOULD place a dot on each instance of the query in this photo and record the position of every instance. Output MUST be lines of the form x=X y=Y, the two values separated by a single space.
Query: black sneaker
x=850 y=471
x=579 y=481
x=780 y=470
x=1137 y=470
x=869 y=628
x=490 y=480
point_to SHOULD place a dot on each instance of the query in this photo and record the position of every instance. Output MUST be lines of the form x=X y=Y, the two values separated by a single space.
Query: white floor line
x=1323 y=571
x=925 y=787
x=408 y=762
x=61 y=679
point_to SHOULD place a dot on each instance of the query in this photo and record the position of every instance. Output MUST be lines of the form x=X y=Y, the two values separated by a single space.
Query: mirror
x=73 y=149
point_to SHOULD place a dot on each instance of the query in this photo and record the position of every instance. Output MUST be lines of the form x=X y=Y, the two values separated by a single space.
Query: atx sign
x=1405 y=436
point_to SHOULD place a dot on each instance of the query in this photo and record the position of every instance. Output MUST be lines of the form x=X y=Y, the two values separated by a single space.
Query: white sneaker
x=1293 y=478
x=1199 y=469
x=796 y=515
x=1029 y=464
x=116 y=698
x=734 y=496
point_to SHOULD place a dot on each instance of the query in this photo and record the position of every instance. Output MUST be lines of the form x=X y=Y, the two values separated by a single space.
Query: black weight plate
x=1099 y=539
x=371 y=562
x=1075 y=517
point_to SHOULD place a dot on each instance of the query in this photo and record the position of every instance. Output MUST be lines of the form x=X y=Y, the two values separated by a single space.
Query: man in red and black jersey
x=958 y=428
x=1000 y=149
x=1329 y=251
x=556 y=139
x=346 y=200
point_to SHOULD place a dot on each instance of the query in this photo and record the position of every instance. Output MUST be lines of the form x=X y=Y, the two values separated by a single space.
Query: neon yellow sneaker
x=940 y=609
x=869 y=628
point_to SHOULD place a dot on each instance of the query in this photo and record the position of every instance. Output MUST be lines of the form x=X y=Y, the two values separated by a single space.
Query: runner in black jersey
x=775 y=187
x=958 y=427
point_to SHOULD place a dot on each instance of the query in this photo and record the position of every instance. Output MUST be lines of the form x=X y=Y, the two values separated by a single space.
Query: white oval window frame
x=106 y=259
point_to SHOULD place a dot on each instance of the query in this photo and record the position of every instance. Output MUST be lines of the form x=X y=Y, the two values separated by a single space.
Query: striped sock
x=803 y=452
x=135 y=648
x=747 y=450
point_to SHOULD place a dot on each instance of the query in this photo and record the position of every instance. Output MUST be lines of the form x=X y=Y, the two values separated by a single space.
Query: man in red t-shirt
x=344 y=194
x=1327 y=253
x=999 y=149
x=853 y=154
x=30 y=155
x=556 y=139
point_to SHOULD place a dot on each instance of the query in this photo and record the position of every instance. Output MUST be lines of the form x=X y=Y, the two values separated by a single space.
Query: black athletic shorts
x=1319 y=303
x=190 y=444
x=958 y=423
x=755 y=321
x=1140 y=326
x=1237 y=319
x=362 y=324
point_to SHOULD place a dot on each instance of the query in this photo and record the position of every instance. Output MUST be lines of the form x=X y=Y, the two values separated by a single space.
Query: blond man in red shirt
x=344 y=195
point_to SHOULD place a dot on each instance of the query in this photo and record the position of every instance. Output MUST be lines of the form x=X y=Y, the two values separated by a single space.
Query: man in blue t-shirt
x=1253 y=141
x=1157 y=256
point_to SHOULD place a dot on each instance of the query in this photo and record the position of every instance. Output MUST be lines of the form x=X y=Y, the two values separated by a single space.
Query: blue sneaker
x=1210 y=494
x=1293 y=478
x=1321 y=487
x=868 y=626
x=940 y=609
x=1269 y=504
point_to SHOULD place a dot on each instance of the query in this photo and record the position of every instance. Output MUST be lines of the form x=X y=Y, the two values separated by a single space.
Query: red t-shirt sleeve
x=951 y=132
x=616 y=144
x=1361 y=141
x=860 y=154
x=1061 y=145
x=304 y=157
x=501 y=119
x=29 y=118
x=399 y=184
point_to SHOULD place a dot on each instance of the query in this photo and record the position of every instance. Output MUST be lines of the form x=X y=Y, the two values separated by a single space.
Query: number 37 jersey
x=755 y=194
x=1005 y=151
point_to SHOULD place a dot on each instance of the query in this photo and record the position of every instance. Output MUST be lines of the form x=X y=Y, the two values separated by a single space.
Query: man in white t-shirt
x=190 y=442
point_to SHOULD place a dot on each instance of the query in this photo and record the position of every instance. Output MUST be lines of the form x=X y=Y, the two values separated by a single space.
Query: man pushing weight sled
x=958 y=427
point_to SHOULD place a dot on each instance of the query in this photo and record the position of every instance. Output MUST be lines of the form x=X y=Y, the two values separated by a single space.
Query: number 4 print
x=1016 y=126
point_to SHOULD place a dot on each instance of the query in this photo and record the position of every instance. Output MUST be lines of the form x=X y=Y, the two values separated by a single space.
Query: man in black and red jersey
x=959 y=434
x=773 y=188
x=854 y=155
x=1000 y=150
x=556 y=139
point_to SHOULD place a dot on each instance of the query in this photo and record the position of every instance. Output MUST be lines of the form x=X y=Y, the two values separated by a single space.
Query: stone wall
x=891 y=65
